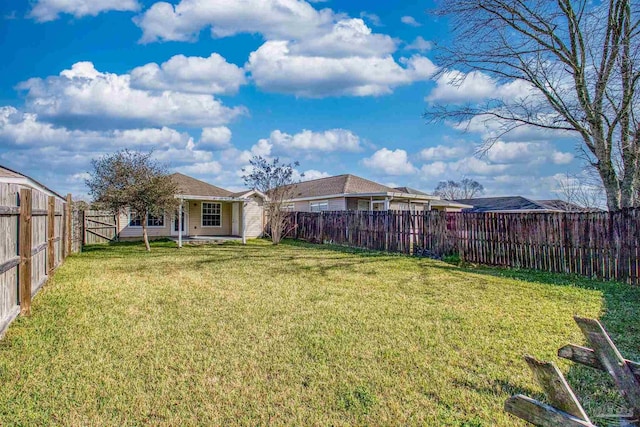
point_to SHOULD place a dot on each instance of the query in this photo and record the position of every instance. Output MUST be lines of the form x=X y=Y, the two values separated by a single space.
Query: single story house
x=350 y=192
x=205 y=211
x=519 y=204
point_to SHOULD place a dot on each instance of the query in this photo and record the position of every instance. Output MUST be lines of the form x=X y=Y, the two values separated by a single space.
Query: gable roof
x=339 y=184
x=248 y=193
x=189 y=186
x=518 y=203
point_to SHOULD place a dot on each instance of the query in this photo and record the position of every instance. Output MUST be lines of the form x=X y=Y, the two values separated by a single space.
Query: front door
x=176 y=224
x=235 y=219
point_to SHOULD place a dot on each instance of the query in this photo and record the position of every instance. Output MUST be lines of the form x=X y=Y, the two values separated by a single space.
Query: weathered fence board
x=34 y=237
x=600 y=245
x=99 y=227
x=565 y=409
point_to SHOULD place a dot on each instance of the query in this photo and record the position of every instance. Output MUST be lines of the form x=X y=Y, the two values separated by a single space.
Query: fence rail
x=602 y=245
x=36 y=238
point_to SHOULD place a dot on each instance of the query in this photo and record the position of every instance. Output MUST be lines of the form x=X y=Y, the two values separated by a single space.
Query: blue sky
x=339 y=86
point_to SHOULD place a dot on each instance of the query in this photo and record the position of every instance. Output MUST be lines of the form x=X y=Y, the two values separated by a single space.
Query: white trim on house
x=210 y=198
x=202 y=214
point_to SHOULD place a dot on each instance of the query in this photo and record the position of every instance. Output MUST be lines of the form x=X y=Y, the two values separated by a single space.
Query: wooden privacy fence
x=36 y=238
x=98 y=227
x=602 y=245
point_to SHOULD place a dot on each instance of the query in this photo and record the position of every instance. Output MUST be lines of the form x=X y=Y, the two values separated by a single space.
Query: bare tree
x=276 y=180
x=581 y=190
x=577 y=65
x=133 y=180
x=465 y=189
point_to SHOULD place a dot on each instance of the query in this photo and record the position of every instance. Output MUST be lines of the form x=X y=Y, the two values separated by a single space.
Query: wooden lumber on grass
x=565 y=409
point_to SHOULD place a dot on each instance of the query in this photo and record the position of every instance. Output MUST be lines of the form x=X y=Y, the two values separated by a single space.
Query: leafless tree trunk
x=578 y=63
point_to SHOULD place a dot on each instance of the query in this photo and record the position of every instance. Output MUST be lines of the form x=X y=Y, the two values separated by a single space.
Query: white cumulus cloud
x=86 y=97
x=50 y=10
x=272 y=18
x=410 y=20
x=192 y=74
x=349 y=37
x=502 y=152
x=456 y=86
x=390 y=162
x=275 y=68
x=326 y=141
x=215 y=138
x=419 y=44
x=445 y=152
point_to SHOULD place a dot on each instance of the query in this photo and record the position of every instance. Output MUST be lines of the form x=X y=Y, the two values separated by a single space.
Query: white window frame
x=319 y=204
x=133 y=213
x=202 y=215
x=363 y=202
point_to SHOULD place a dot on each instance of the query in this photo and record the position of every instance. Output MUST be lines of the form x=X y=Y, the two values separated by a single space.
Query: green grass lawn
x=295 y=335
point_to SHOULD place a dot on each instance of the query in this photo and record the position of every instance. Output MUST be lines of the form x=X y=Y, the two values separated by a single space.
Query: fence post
x=25 y=251
x=51 y=227
x=68 y=227
x=84 y=229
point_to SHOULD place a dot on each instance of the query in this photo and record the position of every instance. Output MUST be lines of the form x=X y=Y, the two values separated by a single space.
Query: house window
x=152 y=221
x=211 y=214
x=134 y=219
x=364 y=205
x=319 y=206
x=155 y=221
x=289 y=207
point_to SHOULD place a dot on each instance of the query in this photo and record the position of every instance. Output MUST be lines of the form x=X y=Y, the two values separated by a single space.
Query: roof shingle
x=339 y=184
x=194 y=187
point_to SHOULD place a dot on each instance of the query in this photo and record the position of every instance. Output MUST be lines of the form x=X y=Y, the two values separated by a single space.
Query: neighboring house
x=10 y=176
x=519 y=204
x=207 y=211
x=350 y=192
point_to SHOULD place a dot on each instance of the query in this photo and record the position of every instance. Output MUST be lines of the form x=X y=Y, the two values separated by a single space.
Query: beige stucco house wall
x=241 y=214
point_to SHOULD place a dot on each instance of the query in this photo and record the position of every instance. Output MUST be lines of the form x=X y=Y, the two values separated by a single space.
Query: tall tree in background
x=276 y=180
x=133 y=180
x=465 y=189
x=575 y=66
x=580 y=189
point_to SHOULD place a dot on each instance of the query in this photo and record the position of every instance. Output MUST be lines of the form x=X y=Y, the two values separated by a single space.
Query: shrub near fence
x=601 y=245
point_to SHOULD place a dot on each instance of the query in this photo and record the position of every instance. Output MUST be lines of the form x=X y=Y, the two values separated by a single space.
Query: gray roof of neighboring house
x=566 y=206
x=194 y=187
x=518 y=203
x=5 y=172
x=339 y=184
x=411 y=191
